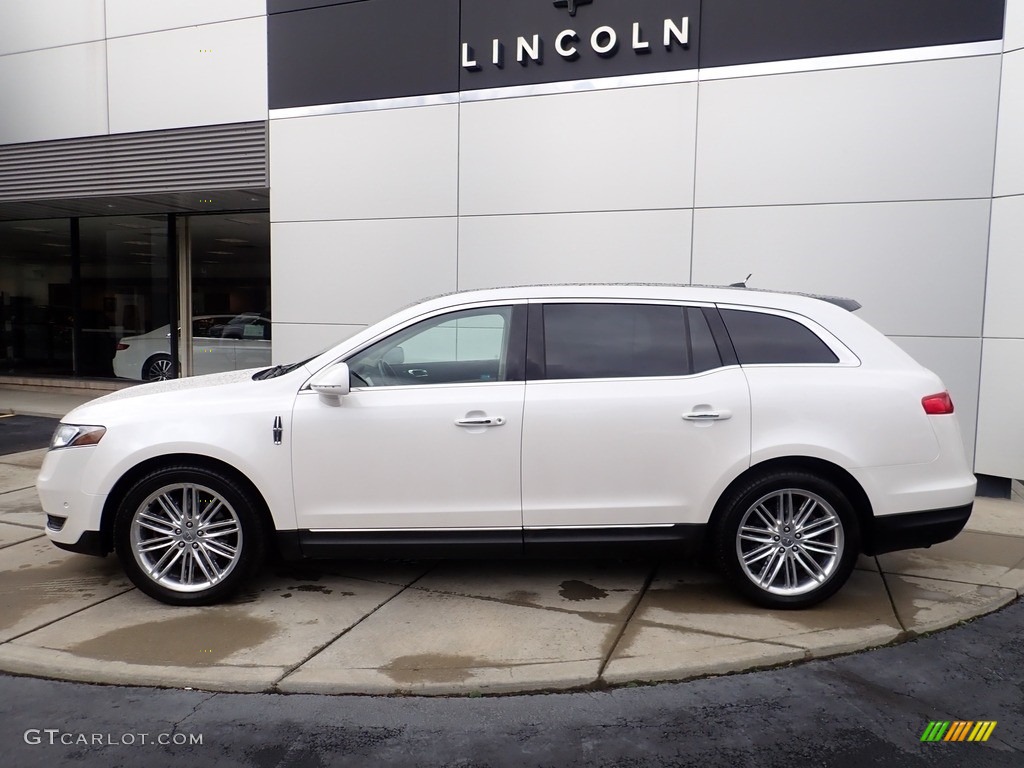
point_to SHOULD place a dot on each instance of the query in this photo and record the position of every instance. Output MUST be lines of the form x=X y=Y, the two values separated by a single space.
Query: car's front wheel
x=787 y=539
x=188 y=535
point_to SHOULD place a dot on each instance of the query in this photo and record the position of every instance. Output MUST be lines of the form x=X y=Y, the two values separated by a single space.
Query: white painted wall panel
x=57 y=93
x=29 y=25
x=1010 y=147
x=957 y=362
x=1004 y=296
x=388 y=164
x=358 y=272
x=131 y=17
x=594 y=151
x=630 y=246
x=216 y=73
x=916 y=131
x=918 y=269
x=1001 y=411
x=1013 y=32
x=297 y=341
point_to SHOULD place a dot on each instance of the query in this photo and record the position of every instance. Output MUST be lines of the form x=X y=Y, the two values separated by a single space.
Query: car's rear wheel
x=157 y=368
x=188 y=535
x=787 y=539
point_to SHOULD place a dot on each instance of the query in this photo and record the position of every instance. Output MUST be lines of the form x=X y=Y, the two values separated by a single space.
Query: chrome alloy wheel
x=790 y=542
x=186 y=537
x=159 y=369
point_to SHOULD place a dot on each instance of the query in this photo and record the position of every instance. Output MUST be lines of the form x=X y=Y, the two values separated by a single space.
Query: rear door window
x=592 y=341
x=760 y=338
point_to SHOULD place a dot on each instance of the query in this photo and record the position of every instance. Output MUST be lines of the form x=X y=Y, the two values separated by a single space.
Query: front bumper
x=912 y=530
x=59 y=485
x=89 y=543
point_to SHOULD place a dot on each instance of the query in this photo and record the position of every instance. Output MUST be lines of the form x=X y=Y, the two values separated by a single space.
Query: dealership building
x=314 y=165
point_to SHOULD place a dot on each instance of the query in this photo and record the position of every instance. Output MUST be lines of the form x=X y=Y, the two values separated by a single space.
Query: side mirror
x=333 y=382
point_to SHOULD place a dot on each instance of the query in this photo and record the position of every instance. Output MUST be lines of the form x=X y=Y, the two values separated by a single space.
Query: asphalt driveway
x=24 y=433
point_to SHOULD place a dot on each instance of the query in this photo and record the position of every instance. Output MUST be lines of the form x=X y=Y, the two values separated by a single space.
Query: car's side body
x=529 y=459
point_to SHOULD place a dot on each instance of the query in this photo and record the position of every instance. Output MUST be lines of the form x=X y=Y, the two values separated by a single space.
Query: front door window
x=470 y=346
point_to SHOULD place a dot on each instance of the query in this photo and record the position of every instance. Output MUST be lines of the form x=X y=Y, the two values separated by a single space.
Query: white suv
x=778 y=430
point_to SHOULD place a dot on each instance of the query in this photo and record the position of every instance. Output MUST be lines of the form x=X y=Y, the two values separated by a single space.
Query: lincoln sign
x=604 y=41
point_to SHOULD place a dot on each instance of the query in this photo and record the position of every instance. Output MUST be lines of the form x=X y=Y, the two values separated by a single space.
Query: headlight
x=68 y=435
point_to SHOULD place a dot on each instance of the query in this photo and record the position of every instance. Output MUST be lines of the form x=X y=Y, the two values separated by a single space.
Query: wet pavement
x=464 y=627
x=862 y=709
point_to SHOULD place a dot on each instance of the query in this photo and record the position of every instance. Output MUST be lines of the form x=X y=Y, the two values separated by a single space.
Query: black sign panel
x=338 y=51
x=283 y=6
x=376 y=49
x=749 y=31
x=545 y=41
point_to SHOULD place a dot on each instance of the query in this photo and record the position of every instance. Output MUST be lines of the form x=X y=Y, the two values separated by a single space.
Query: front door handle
x=707 y=415
x=480 y=421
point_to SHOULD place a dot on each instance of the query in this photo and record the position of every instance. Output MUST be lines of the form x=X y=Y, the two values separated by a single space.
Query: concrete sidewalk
x=461 y=627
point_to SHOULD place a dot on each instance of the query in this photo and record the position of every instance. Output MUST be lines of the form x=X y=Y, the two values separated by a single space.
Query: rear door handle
x=707 y=415
x=481 y=421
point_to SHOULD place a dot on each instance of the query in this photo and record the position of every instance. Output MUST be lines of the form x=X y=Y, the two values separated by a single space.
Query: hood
x=81 y=413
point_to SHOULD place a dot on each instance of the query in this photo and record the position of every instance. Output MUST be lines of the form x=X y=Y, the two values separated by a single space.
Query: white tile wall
x=1004 y=307
x=628 y=246
x=297 y=341
x=1013 y=32
x=215 y=73
x=388 y=164
x=57 y=93
x=1010 y=146
x=28 y=25
x=916 y=131
x=358 y=272
x=918 y=268
x=130 y=17
x=1001 y=410
x=588 y=151
x=957 y=362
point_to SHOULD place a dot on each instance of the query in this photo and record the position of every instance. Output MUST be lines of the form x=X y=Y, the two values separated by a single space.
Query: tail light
x=121 y=346
x=938 y=404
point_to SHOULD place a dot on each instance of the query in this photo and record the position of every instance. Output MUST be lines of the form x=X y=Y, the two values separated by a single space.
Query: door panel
x=401 y=450
x=395 y=457
x=621 y=452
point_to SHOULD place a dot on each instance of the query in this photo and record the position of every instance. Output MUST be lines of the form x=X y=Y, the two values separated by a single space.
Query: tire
x=787 y=539
x=157 y=368
x=186 y=535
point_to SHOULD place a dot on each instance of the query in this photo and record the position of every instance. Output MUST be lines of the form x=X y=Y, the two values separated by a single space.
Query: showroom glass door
x=225 y=271
x=124 y=298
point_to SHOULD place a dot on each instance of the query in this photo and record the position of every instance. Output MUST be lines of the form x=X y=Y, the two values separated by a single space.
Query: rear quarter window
x=761 y=338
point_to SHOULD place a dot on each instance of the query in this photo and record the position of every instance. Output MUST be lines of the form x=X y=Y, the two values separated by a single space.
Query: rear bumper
x=912 y=530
